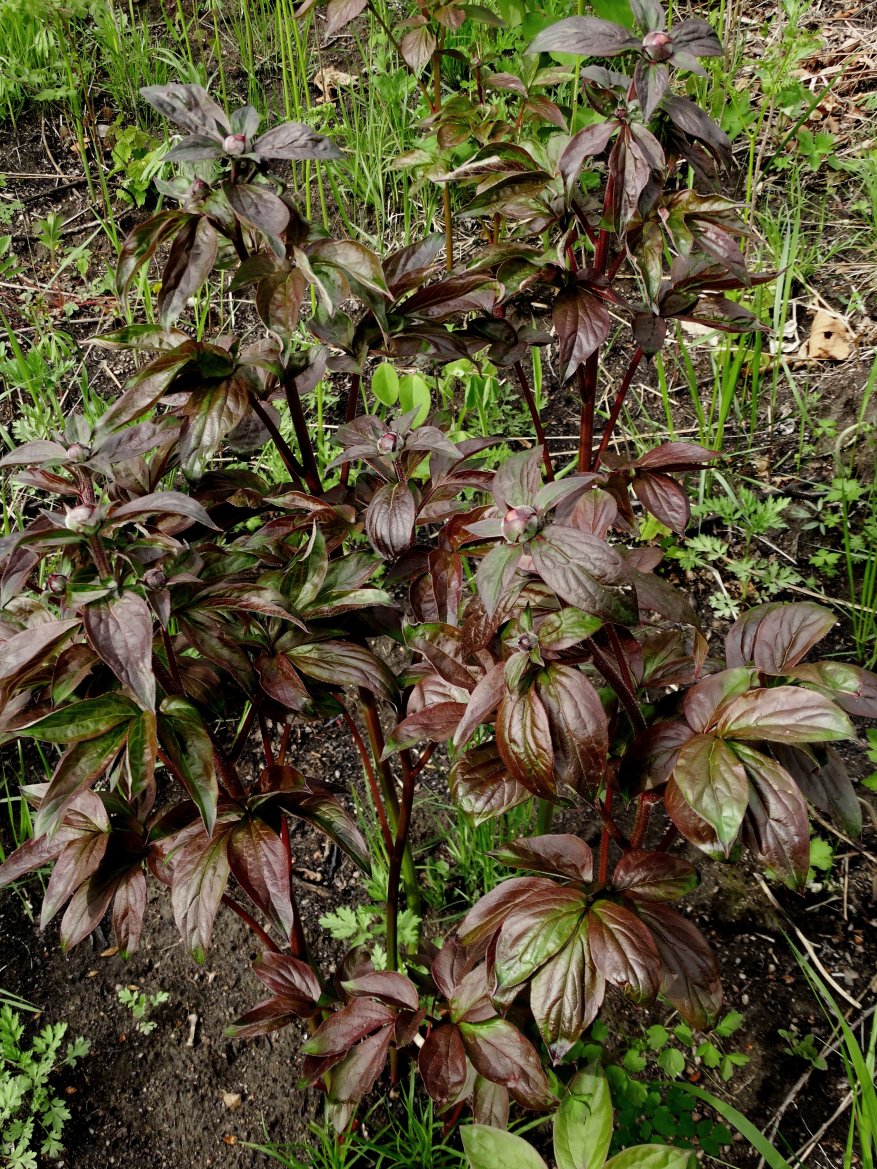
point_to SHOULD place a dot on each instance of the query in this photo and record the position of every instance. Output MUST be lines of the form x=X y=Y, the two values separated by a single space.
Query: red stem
x=403 y=825
x=627 y=700
x=647 y=801
x=302 y=434
x=604 y=836
x=290 y=462
x=376 y=741
x=284 y=745
x=537 y=421
x=372 y=780
x=242 y=735
x=349 y=415
x=266 y=740
x=586 y=376
x=668 y=838
x=425 y=757
x=616 y=407
x=249 y=920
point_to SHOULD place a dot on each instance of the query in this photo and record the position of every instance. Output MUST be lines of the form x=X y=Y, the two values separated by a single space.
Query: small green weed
x=365 y=925
x=141 y=1005
x=32 y=1117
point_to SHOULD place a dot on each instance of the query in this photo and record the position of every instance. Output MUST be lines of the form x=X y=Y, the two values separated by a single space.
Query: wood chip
x=109 y=952
x=328 y=79
x=830 y=339
x=232 y=1100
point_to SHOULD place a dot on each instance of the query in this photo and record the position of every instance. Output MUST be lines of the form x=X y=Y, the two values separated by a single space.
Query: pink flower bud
x=389 y=442
x=155 y=578
x=527 y=642
x=82 y=519
x=79 y=452
x=658 y=45
x=235 y=145
x=57 y=584
x=520 y=523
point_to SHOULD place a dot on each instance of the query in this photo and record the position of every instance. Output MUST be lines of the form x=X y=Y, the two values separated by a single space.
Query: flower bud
x=520 y=523
x=57 y=584
x=235 y=144
x=83 y=519
x=389 y=442
x=658 y=46
x=527 y=642
x=155 y=578
x=200 y=189
x=79 y=452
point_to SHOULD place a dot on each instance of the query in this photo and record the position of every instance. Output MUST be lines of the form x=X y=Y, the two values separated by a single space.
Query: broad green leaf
x=200 y=875
x=583 y=1123
x=523 y=739
x=82 y=720
x=651 y=1157
x=78 y=767
x=784 y=714
x=385 y=384
x=713 y=781
x=566 y=994
x=535 y=932
x=187 y=743
x=414 y=395
x=140 y=752
x=493 y=1148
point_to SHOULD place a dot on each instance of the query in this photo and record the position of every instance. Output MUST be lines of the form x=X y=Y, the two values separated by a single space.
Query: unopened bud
x=520 y=523
x=57 y=584
x=389 y=442
x=155 y=578
x=527 y=642
x=79 y=452
x=658 y=45
x=235 y=144
x=200 y=189
x=82 y=519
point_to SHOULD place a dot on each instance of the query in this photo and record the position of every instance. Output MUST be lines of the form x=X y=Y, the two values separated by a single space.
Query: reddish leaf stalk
x=284 y=745
x=302 y=434
x=604 y=835
x=248 y=919
x=372 y=780
x=96 y=546
x=349 y=415
x=266 y=740
x=227 y=772
x=290 y=462
x=586 y=376
x=527 y=394
x=375 y=733
x=243 y=734
x=626 y=676
x=400 y=844
x=604 y=665
x=425 y=757
x=647 y=801
x=609 y=428
x=237 y=239
x=172 y=661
